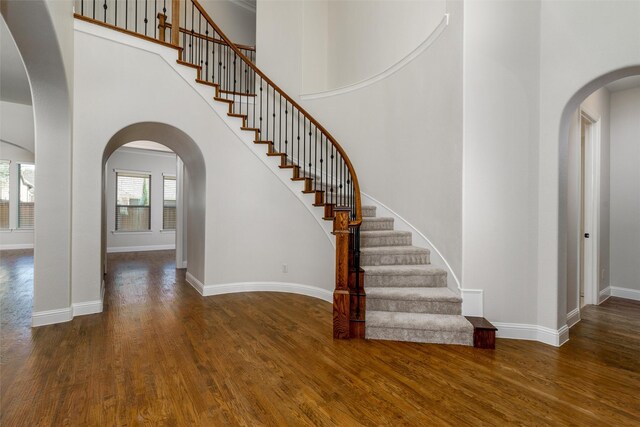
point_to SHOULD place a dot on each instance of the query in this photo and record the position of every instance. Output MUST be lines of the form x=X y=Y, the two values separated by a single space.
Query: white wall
x=158 y=164
x=346 y=42
x=238 y=23
x=253 y=223
x=500 y=139
x=597 y=106
x=15 y=238
x=584 y=45
x=403 y=133
x=16 y=125
x=625 y=189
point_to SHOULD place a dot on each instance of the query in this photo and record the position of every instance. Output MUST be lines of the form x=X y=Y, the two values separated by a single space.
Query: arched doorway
x=570 y=242
x=190 y=242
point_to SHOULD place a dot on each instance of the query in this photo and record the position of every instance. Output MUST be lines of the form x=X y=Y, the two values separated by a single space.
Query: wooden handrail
x=211 y=39
x=352 y=172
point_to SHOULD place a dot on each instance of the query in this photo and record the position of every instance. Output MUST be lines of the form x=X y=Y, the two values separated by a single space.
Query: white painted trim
x=520 y=331
x=472 y=302
x=50 y=317
x=195 y=283
x=245 y=4
x=12 y=247
x=389 y=71
x=592 y=208
x=118 y=249
x=627 y=293
x=573 y=317
x=89 y=307
x=402 y=224
x=604 y=295
x=232 y=288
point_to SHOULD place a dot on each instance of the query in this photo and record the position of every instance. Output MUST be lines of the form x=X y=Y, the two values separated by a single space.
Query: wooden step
x=230 y=92
x=484 y=333
x=204 y=82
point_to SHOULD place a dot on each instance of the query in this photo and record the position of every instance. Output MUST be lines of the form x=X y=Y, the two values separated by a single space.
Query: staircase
x=407 y=298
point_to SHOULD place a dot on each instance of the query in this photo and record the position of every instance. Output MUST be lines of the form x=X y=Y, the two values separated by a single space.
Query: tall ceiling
x=14 y=84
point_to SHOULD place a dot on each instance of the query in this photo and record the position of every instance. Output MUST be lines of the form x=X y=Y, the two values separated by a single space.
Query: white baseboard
x=472 y=302
x=543 y=334
x=573 y=317
x=195 y=283
x=10 y=247
x=49 y=317
x=117 y=249
x=231 y=288
x=604 y=295
x=89 y=307
x=627 y=293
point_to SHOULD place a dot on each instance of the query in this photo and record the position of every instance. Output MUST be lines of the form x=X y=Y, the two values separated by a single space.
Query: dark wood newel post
x=341 y=295
x=175 y=22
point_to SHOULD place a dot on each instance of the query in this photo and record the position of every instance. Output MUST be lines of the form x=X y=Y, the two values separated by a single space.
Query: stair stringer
x=189 y=74
x=472 y=299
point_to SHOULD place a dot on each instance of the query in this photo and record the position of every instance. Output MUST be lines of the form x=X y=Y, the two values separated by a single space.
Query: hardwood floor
x=160 y=354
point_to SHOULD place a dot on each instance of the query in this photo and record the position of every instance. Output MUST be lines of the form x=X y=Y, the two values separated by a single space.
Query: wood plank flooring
x=160 y=354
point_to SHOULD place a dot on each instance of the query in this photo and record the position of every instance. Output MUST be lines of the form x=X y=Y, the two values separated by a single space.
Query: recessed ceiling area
x=148 y=145
x=624 y=84
x=14 y=83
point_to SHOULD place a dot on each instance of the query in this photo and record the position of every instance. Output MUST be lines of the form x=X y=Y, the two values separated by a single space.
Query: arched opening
x=585 y=195
x=190 y=181
x=47 y=55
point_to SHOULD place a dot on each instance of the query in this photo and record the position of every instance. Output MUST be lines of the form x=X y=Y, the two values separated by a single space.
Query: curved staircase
x=406 y=298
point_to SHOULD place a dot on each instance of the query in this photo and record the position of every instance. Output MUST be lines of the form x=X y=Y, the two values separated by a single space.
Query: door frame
x=590 y=264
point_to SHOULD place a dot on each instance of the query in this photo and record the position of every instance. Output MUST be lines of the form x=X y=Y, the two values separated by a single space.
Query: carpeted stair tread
x=368 y=211
x=418 y=321
x=376 y=223
x=404 y=270
x=414 y=300
x=374 y=238
x=395 y=250
x=414 y=294
x=394 y=255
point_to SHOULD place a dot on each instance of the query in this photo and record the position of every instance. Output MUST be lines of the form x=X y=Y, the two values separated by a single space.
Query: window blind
x=26 y=193
x=169 y=203
x=133 y=204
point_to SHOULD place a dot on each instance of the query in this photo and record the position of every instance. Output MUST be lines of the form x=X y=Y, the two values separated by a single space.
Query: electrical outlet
x=285 y=268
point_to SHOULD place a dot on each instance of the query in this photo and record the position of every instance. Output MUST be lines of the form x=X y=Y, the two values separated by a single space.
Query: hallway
x=161 y=354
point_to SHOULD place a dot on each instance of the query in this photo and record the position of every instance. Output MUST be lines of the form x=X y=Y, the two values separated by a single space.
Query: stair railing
x=289 y=130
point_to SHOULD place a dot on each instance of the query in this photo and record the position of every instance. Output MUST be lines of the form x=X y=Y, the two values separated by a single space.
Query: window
x=26 y=194
x=4 y=193
x=169 y=203
x=133 y=209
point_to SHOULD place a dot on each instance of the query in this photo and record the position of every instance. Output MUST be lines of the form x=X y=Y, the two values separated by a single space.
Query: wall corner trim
x=50 y=317
x=89 y=307
x=604 y=295
x=573 y=317
x=520 y=331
